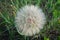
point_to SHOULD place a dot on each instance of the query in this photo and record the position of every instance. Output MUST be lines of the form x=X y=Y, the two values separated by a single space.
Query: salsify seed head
x=29 y=20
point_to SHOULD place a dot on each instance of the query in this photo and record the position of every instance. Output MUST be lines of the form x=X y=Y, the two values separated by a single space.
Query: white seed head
x=29 y=20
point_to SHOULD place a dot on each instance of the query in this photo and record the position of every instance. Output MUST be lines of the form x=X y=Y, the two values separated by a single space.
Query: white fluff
x=29 y=20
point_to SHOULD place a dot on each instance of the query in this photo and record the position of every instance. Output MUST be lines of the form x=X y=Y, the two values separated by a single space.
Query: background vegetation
x=8 y=9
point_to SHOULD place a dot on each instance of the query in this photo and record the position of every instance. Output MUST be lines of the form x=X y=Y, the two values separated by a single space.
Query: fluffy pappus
x=29 y=20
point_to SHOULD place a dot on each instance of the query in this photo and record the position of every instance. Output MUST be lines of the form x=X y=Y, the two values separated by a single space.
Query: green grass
x=8 y=10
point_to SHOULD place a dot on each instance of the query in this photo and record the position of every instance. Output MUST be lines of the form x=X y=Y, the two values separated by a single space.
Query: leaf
x=45 y=38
